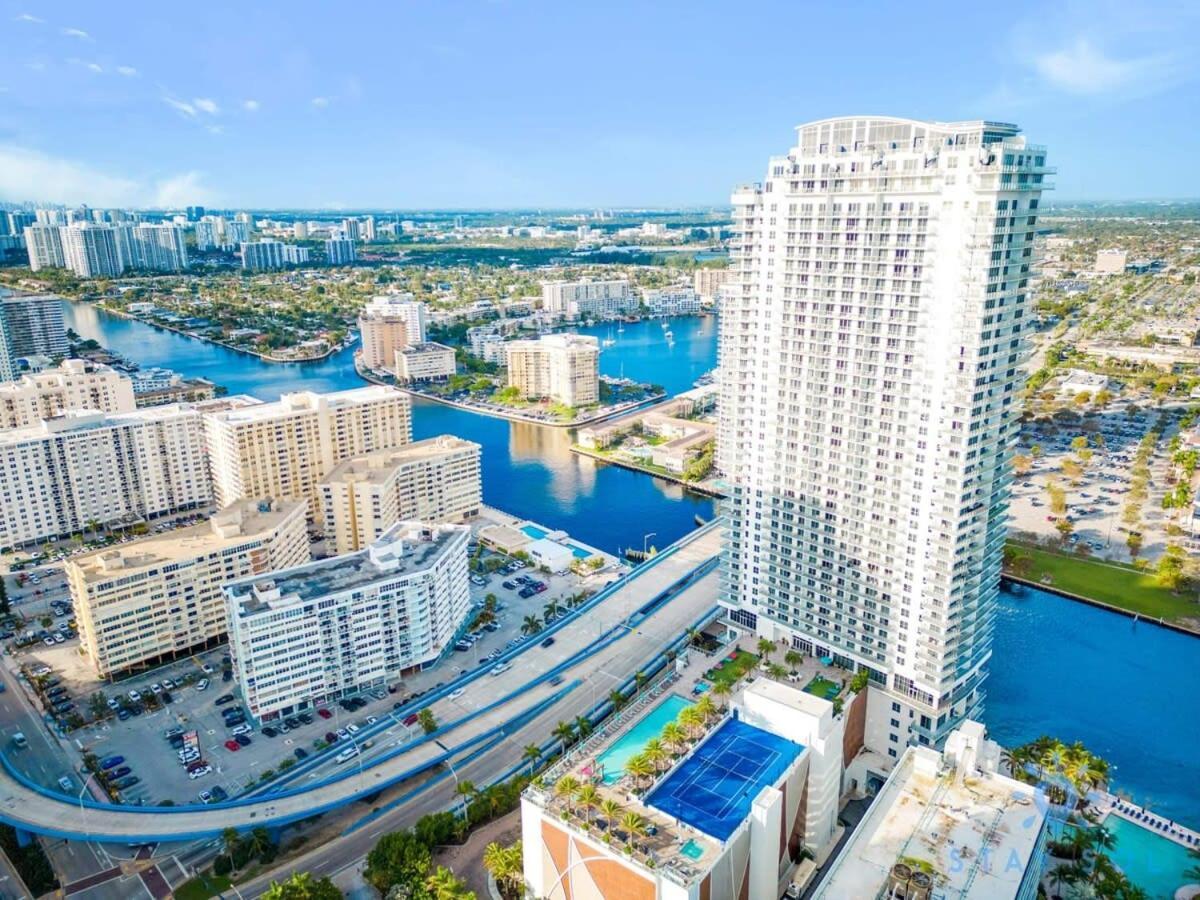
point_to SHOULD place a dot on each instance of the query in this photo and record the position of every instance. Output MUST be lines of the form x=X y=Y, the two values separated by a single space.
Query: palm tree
x=1063 y=876
x=639 y=767
x=693 y=635
x=531 y=625
x=583 y=725
x=765 y=648
x=611 y=810
x=617 y=699
x=706 y=708
x=260 y=842
x=639 y=679
x=655 y=752
x=551 y=610
x=722 y=689
x=690 y=719
x=531 y=754
x=777 y=671
x=565 y=789
x=504 y=863
x=793 y=658
x=673 y=735
x=444 y=885
x=466 y=790
x=231 y=841
x=634 y=826
x=588 y=798
x=565 y=732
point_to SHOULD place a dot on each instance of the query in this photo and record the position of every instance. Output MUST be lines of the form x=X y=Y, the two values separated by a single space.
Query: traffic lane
x=44 y=760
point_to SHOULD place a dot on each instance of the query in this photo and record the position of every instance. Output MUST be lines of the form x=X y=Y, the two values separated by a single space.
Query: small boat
x=669 y=334
x=607 y=342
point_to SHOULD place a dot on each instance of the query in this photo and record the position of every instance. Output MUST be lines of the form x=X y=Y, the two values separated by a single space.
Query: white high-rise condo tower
x=870 y=356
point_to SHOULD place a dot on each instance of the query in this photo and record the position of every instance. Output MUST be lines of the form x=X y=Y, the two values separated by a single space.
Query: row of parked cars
x=119 y=775
x=527 y=584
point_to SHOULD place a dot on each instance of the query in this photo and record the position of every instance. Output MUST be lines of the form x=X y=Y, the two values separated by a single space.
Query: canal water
x=1126 y=690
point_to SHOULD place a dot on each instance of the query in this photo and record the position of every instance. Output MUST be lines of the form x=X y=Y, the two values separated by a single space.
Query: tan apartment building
x=146 y=602
x=564 y=368
x=382 y=334
x=283 y=449
x=75 y=385
x=435 y=480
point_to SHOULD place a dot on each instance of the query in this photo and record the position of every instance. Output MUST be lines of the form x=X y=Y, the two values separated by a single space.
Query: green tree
x=302 y=886
x=445 y=885
x=427 y=721
x=505 y=864
x=5 y=605
x=1169 y=572
x=398 y=859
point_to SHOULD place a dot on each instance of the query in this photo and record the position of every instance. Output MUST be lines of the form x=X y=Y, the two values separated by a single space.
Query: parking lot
x=1096 y=496
x=143 y=711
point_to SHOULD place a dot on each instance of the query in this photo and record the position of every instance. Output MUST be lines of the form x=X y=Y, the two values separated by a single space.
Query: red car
x=233 y=746
x=324 y=714
x=411 y=719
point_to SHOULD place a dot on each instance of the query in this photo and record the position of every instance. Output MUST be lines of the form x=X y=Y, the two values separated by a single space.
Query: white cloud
x=183 y=108
x=57 y=180
x=77 y=33
x=27 y=17
x=94 y=67
x=1082 y=68
x=320 y=102
x=127 y=71
x=204 y=104
x=250 y=105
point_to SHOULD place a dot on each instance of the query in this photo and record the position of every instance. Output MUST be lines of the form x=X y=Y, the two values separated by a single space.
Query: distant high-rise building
x=206 y=235
x=91 y=251
x=159 y=248
x=300 y=231
x=340 y=251
x=403 y=305
x=368 y=229
x=351 y=230
x=586 y=298
x=870 y=349
x=195 y=213
x=33 y=326
x=19 y=221
x=44 y=243
x=564 y=368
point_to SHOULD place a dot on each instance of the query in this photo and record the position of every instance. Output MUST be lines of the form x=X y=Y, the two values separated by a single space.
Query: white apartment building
x=403 y=306
x=434 y=480
x=159 y=248
x=282 y=449
x=562 y=367
x=265 y=255
x=316 y=632
x=44 y=243
x=587 y=299
x=676 y=301
x=149 y=601
x=91 y=251
x=58 y=476
x=870 y=349
x=75 y=385
x=340 y=251
x=429 y=361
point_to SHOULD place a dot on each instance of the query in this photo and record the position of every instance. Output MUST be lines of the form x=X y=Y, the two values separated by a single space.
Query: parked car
x=224 y=698
x=244 y=728
x=134 y=696
x=324 y=713
x=331 y=738
x=121 y=772
x=124 y=784
x=199 y=772
x=219 y=793
x=300 y=753
x=111 y=762
x=244 y=740
x=202 y=684
x=270 y=732
x=232 y=745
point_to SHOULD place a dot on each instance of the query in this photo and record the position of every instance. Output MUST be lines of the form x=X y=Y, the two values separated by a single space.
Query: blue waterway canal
x=1128 y=691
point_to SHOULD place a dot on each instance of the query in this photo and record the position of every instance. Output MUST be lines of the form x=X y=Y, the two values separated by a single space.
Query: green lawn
x=733 y=669
x=823 y=688
x=1118 y=585
x=202 y=888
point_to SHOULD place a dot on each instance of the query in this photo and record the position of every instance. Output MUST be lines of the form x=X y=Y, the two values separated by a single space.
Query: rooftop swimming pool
x=536 y=533
x=1154 y=863
x=630 y=744
x=712 y=789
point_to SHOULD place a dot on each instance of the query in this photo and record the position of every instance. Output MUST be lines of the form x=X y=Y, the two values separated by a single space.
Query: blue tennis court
x=712 y=790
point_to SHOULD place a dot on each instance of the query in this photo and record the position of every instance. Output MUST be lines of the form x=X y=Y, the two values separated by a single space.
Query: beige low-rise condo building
x=429 y=361
x=435 y=480
x=283 y=449
x=564 y=368
x=149 y=601
x=76 y=384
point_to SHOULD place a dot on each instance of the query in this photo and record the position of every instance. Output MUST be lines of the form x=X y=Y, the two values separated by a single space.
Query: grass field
x=733 y=669
x=203 y=888
x=823 y=688
x=1118 y=585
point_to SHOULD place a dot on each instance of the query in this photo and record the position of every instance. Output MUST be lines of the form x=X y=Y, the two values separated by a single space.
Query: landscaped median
x=1114 y=584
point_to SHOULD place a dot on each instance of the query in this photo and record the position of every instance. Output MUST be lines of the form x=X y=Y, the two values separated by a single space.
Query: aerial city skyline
x=582 y=453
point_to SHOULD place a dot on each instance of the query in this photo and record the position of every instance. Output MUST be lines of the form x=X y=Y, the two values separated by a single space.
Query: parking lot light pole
x=645 y=538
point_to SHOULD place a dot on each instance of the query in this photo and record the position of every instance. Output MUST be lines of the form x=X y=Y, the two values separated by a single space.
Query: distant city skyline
x=496 y=105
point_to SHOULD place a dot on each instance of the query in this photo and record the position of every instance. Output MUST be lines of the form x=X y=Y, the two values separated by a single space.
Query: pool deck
x=1111 y=805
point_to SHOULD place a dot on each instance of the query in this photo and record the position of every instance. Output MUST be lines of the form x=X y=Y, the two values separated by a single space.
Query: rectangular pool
x=1152 y=862
x=534 y=532
x=630 y=744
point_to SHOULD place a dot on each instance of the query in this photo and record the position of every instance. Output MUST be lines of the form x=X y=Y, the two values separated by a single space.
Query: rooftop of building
x=426 y=347
x=227 y=528
x=950 y=815
x=52 y=376
x=566 y=340
x=377 y=467
x=235 y=410
x=404 y=549
x=80 y=420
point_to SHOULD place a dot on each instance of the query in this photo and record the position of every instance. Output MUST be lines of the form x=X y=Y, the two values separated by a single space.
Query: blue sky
x=495 y=104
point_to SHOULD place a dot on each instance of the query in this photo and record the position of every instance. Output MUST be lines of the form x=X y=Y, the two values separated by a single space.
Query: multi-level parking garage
x=624 y=629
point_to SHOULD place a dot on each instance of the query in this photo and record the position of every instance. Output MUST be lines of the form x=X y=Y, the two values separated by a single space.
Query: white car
x=134 y=696
x=454 y=695
x=168 y=684
x=208 y=670
x=370 y=720
x=244 y=728
x=348 y=753
x=343 y=734
x=114 y=703
x=156 y=688
x=200 y=772
x=202 y=684
x=352 y=728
